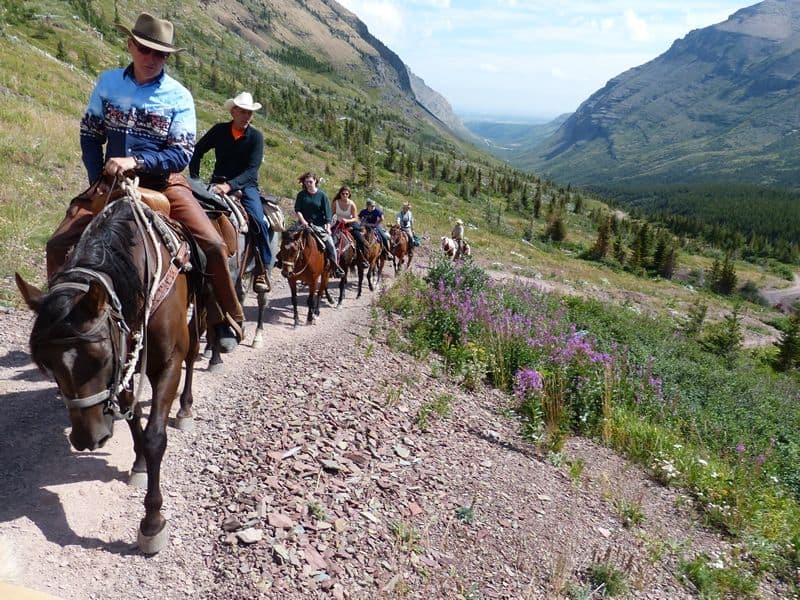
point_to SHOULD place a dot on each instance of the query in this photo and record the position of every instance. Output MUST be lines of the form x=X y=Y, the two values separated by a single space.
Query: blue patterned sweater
x=154 y=121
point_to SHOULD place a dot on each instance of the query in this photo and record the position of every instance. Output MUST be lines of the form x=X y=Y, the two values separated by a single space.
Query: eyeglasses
x=345 y=193
x=147 y=51
x=307 y=181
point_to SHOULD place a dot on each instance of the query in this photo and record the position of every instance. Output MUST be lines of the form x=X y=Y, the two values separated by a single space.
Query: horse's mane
x=105 y=246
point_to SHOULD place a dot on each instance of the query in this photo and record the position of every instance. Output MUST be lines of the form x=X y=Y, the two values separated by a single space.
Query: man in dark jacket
x=239 y=150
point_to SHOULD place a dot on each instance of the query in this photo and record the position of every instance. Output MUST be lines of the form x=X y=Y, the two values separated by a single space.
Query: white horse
x=451 y=248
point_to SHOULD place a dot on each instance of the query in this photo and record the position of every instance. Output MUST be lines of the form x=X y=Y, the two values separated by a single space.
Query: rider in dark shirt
x=372 y=217
x=239 y=150
x=312 y=207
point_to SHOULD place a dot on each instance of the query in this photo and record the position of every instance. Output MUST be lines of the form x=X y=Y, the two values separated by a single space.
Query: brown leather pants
x=183 y=208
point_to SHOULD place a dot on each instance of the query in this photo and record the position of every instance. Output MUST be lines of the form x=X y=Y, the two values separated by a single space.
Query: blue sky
x=532 y=58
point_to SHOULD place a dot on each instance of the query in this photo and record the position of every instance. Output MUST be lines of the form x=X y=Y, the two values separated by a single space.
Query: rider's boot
x=261 y=283
x=337 y=270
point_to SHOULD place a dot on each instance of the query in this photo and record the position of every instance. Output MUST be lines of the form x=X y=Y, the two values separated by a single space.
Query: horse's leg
x=293 y=288
x=312 y=305
x=258 y=339
x=215 y=360
x=153 y=534
x=360 y=279
x=184 y=420
x=342 y=283
x=138 y=476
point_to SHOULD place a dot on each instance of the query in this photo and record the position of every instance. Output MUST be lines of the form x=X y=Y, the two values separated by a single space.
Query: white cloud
x=636 y=26
x=489 y=68
x=384 y=19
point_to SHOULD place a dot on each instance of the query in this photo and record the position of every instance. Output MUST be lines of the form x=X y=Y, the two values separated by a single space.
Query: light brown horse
x=401 y=247
x=88 y=333
x=373 y=250
x=303 y=260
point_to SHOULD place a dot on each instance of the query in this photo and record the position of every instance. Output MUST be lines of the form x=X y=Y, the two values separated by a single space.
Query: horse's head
x=396 y=233
x=72 y=341
x=292 y=244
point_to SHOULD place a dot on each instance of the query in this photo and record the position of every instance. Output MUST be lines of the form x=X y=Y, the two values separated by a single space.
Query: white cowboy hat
x=243 y=101
x=459 y=222
x=152 y=32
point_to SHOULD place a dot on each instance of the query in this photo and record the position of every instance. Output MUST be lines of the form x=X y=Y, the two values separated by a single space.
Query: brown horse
x=348 y=258
x=401 y=247
x=302 y=259
x=374 y=255
x=244 y=261
x=236 y=228
x=100 y=317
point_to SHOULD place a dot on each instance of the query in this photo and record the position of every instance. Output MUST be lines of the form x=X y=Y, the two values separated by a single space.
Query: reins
x=112 y=316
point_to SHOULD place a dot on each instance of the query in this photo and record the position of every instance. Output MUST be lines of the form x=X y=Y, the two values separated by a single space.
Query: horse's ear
x=31 y=294
x=95 y=299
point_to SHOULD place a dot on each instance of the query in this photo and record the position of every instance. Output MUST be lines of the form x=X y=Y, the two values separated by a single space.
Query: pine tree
x=556 y=228
x=601 y=244
x=789 y=345
x=537 y=202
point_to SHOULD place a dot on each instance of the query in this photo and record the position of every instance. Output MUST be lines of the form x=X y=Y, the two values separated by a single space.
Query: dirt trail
x=313 y=442
x=783 y=298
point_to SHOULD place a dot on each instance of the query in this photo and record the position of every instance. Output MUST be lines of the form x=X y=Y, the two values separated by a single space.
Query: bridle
x=301 y=245
x=118 y=332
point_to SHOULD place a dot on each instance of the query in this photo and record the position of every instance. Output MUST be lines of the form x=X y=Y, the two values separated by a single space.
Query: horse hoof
x=207 y=353
x=138 y=480
x=258 y=340
x=215 y=367
x=184 y=423
x=153 y=544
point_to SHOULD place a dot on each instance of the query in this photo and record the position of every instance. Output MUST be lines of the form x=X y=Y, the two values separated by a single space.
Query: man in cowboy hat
x=458 y=234
x=239 y=150
x=146 y=120
x=406 y=221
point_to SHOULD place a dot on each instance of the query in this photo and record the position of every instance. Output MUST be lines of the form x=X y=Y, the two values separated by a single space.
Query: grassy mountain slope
x=341 y=108
x=720 y=105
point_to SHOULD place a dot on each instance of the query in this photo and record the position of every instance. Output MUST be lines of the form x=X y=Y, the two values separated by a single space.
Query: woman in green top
x=311 y=207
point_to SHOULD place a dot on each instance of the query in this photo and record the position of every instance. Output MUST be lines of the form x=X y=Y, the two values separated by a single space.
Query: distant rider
x=372 y=217
x=406 y=221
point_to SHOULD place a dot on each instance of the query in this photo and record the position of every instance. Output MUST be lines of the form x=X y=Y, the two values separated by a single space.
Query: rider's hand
x=221 y=188
x=119 y=165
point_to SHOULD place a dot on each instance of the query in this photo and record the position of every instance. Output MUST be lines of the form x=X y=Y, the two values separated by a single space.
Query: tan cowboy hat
x=406 y=205
x=459 y=222
x=152 y=32
x=243 y=101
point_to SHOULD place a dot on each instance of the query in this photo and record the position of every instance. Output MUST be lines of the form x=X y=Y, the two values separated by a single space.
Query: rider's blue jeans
x=251 y=200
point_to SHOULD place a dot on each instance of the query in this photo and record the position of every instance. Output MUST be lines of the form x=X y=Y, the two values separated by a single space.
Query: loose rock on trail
x=308 y=475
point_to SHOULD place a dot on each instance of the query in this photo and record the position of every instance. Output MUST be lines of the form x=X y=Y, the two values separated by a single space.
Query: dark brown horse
x=303 y=260
x=348 y=259
x=401 y=247
x=99 y=318
x=244 y=261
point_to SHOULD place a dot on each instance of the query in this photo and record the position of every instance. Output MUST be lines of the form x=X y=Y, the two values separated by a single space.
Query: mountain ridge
x=720 y=103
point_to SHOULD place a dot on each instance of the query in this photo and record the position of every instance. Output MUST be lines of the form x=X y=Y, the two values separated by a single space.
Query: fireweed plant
x=578 y=367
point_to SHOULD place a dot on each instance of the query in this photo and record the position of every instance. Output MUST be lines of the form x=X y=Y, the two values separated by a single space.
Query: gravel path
x=308 y=476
